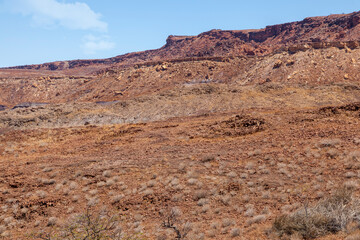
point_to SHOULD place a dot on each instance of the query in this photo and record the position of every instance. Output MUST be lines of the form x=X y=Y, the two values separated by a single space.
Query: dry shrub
x=48 y=169
x=211 y=233
x=235 y=232
x=52 y=221
x=90 y=225
x=173 y=222
x=353 y=236
x=117 y=198
x=328 y=216
x=107 y=173
x=226 y=222
x=48 y=181
x=41 y=194
x=200 y=194
x=2 y=229
x=256 y=219
x=329 y=142
x=148 y=192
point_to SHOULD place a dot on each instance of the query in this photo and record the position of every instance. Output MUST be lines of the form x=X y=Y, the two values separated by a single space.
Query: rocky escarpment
x=334 y=28
x=218 y=43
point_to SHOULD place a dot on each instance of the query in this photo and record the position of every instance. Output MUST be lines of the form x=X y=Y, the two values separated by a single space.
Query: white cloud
x=49 y=13
x=93 y=44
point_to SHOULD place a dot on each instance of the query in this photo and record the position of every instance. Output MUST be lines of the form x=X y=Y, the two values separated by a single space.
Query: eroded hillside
x=301 y=64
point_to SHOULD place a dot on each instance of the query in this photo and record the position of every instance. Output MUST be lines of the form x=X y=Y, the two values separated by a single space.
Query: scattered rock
x=350 y=108
x=277 y=64
x=238 y=126
x=290 y=62
x=28 y=105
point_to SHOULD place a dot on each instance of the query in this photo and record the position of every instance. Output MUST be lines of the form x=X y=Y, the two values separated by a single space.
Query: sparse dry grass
x=173 y=174
x=330 y=215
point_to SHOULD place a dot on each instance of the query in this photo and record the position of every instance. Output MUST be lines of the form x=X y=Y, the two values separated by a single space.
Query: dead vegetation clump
x=328 y=216
x=173 y=222
x=88 y=225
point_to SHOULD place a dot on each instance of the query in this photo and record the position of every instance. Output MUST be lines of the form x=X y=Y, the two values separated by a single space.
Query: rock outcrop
x=337 y=28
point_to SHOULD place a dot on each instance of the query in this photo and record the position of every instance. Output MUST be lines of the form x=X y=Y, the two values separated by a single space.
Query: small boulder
x=277 y=64
x=290 y=62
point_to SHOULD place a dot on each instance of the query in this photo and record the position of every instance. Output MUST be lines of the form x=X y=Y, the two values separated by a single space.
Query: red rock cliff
x=333 y=28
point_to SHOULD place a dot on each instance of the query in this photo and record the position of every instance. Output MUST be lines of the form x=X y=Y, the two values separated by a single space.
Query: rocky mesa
x=219 y=43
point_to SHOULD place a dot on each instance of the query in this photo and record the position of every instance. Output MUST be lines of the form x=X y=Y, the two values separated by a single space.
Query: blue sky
x=38 y=31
